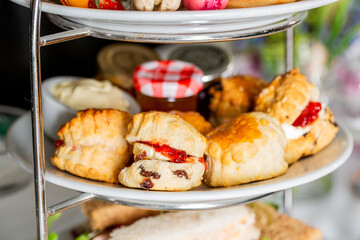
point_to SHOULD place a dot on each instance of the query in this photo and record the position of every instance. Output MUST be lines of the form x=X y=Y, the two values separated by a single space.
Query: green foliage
x=83 y=236
x=334 y=25
x=50 y=221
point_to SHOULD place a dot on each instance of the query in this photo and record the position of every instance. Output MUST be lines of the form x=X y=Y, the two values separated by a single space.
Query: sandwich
x=221 y=224
x=247 y=149
x=254 y=221
x=308 y=124
x=168 y=153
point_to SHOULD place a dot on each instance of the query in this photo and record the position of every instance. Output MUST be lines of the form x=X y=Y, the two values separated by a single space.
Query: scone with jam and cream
x=308 y=124
x=168 y=153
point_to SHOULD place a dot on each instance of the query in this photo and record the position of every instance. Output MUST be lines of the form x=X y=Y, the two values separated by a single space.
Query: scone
x=236 y=95
x=92 y=145
x=309 y=126
x=249 y=148
x=168 y=153
x=195 y=119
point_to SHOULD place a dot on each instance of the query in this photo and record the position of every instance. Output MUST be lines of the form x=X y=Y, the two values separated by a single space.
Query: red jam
x=308 y=115
x=175 y=155
x=59 y=143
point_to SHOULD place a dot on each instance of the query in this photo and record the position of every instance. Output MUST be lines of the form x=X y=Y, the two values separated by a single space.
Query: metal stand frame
x=42 y=211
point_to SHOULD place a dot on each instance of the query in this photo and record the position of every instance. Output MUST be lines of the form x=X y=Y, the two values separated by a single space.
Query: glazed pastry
x=237 y=95
x=168 y=153
x=247 y=149
x=92 y=145
x=308 y=125
x=255 y=3
x=156 y=5
x=195 y=119
x=117 y=62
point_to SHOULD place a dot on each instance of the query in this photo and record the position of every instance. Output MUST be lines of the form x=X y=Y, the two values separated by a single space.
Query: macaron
x=205 y=4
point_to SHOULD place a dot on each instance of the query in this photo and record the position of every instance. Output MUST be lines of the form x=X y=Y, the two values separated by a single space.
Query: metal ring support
x=72 y=202
x=181 y=38
x=184 y=206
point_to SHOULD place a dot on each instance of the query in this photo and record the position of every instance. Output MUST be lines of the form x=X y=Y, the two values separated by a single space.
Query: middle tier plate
x=19 y=139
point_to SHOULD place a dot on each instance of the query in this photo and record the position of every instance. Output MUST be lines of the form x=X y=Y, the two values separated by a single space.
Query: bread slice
x=276 y=226
x=102 y=215
x=220 y=224
x=285 y=227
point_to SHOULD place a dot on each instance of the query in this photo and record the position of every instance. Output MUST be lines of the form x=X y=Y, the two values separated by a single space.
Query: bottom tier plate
x=19 y=139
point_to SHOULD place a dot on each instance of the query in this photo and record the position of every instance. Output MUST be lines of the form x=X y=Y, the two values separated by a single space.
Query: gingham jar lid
x=168 y=79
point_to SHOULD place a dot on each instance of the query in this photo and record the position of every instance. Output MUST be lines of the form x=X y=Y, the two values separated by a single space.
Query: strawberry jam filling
x=175 y=155
x=308 y=115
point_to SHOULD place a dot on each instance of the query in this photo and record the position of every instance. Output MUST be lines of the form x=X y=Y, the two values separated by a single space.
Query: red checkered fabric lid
x=168 y=79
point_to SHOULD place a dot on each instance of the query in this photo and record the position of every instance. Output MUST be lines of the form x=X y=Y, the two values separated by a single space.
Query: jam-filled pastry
x=247 y=149
x=236 y=95
x=195 y=119
x=168 y=153
x=92 y=144
x=309 y=126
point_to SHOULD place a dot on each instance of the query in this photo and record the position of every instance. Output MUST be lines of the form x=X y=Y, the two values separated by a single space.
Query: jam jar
x=168 y=85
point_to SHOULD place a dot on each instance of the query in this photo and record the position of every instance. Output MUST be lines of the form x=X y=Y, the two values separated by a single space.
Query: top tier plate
x=180 y=26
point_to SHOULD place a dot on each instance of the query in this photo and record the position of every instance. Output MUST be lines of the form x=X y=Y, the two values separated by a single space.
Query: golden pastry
x=237 y=96
x=249 y=148
x=195 y=119
x=308 y=125
x=92 y=145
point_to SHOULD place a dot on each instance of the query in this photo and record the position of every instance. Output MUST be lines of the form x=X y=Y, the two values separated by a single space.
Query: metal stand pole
x=289 y=51
x=37 y=122
x=287 y=194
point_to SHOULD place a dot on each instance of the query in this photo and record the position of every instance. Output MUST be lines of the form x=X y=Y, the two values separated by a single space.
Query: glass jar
x=168 y=85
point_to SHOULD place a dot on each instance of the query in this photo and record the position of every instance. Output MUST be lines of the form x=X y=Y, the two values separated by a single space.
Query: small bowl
x=55 y=113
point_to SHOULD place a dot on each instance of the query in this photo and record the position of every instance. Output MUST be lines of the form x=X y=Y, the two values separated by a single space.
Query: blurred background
x=327 y=50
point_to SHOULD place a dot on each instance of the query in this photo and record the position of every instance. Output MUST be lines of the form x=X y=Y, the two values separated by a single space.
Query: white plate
x=179 y=21
x=304 y=171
